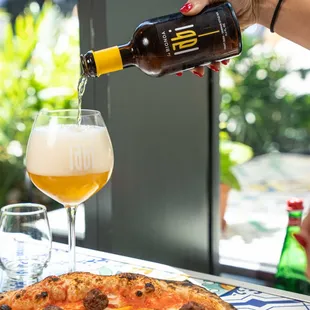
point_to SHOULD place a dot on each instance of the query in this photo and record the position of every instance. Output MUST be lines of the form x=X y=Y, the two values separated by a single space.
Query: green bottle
x=291 y=270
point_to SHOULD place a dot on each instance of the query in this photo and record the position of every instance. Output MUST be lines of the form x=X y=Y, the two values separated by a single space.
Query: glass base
x=14 y=282
x=23 y=270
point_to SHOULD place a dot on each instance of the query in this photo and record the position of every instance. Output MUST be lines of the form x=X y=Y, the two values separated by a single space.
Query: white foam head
x=66 y=150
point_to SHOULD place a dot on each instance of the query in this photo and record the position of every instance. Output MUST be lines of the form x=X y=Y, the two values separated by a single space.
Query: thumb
x=302 y=240
x=193 y=7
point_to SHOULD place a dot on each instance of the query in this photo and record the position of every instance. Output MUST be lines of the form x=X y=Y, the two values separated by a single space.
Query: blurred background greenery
x=258 y=111
x=39 y=68
x=257 y=108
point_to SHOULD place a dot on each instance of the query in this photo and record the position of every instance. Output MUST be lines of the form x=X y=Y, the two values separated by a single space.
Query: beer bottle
x=173 y=43
x=291 y=269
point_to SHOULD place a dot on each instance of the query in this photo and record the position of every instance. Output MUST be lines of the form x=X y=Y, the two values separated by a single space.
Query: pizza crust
x=126 y=291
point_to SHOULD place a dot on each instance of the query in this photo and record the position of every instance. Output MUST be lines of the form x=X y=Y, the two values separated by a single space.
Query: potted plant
x=231 y=154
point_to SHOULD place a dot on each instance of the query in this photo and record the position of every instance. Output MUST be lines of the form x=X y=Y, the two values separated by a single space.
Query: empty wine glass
x=25 y=240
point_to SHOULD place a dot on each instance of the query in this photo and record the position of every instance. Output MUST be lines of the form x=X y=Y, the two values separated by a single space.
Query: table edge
x=247 y=285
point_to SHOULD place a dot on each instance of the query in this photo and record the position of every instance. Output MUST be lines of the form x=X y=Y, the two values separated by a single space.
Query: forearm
x=293 y=21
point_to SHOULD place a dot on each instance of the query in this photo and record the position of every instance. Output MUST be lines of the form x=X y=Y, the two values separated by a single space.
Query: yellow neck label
x=108 y=60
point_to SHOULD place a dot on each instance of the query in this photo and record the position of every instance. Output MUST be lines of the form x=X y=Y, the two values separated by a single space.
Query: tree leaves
x=260 y=111
x=29 y=66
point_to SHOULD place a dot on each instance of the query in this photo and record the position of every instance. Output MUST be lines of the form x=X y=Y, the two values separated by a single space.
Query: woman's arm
x=293 y=22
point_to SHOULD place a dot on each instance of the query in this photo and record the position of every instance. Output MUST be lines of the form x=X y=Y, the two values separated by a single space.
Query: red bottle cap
x=295 y=204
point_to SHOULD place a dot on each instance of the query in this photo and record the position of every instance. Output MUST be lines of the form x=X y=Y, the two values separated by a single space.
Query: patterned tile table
x=241 y=295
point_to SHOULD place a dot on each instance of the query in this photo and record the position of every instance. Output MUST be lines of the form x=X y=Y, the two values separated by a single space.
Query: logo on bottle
x=81 y=159
x=184 y=41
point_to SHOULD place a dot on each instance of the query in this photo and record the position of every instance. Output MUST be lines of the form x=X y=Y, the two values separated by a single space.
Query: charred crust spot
x=17 y=296
x=5 y=307
x=187 y=283
x=192 y=305
x=129 y=276
x=95 y=300
x=139 y=293
x=42 y=295
x=78 y=281
x=176 y=283
x=149 y=287
x=53 y=279
x=172 y=284
x=51 y=307
x=1 y=297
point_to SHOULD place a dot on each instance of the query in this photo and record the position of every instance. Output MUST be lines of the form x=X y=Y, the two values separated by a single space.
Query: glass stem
x=71 y=211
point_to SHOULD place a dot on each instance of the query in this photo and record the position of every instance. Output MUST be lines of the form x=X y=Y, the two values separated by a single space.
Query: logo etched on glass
x=81 y=159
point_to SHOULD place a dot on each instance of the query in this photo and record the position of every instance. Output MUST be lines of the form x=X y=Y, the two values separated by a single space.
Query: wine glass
x=69 y=158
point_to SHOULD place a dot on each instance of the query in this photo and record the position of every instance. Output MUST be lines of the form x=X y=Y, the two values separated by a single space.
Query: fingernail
x=186 y=7
x=301 y=240
x=225 y=62
x=214 y=68
x=198 y=74
x=179 y=74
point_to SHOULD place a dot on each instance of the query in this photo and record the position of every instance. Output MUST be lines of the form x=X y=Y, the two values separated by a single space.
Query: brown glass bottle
x=172 y=43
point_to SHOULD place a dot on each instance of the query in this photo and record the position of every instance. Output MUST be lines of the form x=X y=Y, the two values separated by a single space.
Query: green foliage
x=257 y=110
x=231 y=154
x=39 y=68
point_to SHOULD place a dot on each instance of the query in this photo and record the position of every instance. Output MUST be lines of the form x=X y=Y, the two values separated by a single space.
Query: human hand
x=303 y=239
x=247 y=13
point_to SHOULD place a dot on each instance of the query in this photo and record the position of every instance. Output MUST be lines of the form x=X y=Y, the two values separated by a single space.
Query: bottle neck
x=107 y=60
x=294 y=218
x=127 y=55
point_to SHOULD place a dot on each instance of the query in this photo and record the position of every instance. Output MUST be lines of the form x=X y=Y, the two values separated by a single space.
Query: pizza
x=125 y=291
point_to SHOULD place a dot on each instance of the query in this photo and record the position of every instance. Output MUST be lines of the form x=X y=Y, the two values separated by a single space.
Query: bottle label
x=188 y=35
x=293 y=221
